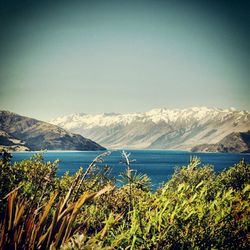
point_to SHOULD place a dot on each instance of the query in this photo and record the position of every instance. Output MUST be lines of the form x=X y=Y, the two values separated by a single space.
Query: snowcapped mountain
x=158 y=128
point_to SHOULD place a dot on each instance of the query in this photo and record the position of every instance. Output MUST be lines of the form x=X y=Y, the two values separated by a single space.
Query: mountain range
x=183 y=129
x=23 y=133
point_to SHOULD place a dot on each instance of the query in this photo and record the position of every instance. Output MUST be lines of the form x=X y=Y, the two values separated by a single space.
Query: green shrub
x=195 y=209
x=236 y=177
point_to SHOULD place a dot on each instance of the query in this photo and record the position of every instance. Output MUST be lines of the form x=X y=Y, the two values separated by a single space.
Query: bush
x=195 y=209
x=237 y=177
x=38 y=213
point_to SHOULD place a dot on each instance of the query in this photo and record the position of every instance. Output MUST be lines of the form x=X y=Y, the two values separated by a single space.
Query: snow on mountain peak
x=159 y=127
x=155 y=115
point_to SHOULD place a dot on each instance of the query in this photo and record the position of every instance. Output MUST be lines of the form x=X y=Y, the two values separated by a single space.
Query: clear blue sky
x=122 y=56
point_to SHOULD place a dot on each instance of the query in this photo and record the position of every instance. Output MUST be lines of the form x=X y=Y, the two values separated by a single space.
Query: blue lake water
x=159 y=165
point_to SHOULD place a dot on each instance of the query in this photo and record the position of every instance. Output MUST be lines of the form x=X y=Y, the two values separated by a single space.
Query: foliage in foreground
x=195 y=209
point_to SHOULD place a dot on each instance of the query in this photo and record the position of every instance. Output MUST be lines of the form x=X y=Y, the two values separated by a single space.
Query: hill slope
x=234 y=142
x=19 y=131
x=158 y=128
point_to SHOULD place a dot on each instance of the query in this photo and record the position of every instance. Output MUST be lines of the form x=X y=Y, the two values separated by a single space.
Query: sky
x=63 y=57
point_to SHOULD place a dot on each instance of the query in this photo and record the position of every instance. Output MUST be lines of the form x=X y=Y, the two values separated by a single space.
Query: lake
x=159 y=165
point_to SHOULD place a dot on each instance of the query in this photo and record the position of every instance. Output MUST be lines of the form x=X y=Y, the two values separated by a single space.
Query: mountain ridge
x=234 y=142
x=160 y=128
x=23 y=133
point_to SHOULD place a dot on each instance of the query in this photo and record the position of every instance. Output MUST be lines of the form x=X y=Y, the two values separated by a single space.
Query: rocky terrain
x=159 y=128
x=23 y=133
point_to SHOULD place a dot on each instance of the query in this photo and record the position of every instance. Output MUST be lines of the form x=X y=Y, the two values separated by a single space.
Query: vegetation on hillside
x=195 y=209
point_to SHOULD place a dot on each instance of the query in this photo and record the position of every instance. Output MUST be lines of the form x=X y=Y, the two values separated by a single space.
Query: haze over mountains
x=161 y=128
x=23 y=133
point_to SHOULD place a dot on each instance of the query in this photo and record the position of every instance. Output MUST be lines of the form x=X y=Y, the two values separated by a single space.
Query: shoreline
x=126 y=149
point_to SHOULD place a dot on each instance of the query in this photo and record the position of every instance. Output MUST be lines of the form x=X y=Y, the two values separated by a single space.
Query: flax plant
x=196 y=209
